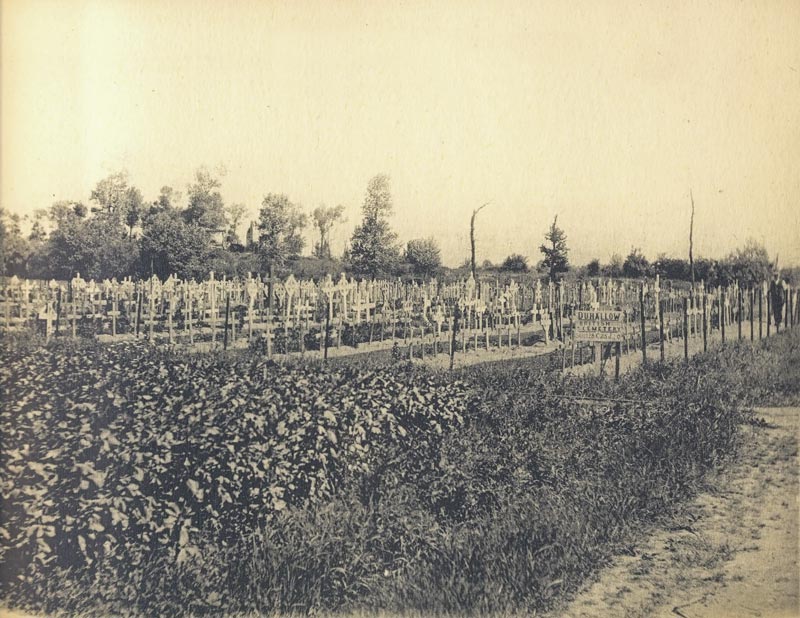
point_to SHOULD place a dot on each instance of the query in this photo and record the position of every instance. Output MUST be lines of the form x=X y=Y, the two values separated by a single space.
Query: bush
x=178 y=484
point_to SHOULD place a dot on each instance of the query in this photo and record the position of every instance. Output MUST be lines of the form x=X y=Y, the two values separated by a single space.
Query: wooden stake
x=227 y=316
x=327 y=335
x=685 y=329
x=170 y=309
x=114 y=313
x=705 y=324
x=644 y=333
x=213 y=302
x=661 y=328
x=456 y=315
x=760 y=312
x=787 y=305
x=151 y=309
x=58 y=310
x=189 y=315
x=739 y=310
x=769 y=311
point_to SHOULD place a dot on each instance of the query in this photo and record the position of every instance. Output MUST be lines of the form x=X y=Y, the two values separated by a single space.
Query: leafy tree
x=614 y=267
x=65 y=210
x=280 y=227
x=424 y=256
x=636 y=265
x=515 y=263
x=169 y=245
x=14 y=249
x=168 y=198
x=672 y=268
x=233 y=264
x=555 y=251
x=134 y=209
x=750 y=264
x=111 y=195
x=593 y=268
x=707 y=270
x=236 y=213
x=324 y=219
x=373 y=246
x=96 y=247
x=38 y=232
x=206 y=207
x=118 y=201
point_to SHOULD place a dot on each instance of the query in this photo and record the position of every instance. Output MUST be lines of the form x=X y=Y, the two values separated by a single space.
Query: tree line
x=120 y=234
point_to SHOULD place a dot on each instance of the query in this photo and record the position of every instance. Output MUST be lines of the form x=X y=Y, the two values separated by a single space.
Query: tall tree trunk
x=691 y=236
x=472 y=238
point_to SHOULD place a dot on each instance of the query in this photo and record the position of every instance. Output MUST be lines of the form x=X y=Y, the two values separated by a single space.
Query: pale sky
x=605 y=113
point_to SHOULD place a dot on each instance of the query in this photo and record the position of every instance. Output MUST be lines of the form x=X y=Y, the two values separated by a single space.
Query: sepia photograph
x=355 y=309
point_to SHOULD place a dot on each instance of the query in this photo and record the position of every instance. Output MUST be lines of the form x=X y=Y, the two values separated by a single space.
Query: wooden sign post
x=600 y=327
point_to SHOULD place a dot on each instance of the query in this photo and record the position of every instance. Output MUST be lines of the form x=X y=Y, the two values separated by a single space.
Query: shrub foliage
x=165 y=483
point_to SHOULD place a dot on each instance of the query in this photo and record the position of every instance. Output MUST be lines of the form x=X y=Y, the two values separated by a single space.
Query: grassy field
x=137 y=481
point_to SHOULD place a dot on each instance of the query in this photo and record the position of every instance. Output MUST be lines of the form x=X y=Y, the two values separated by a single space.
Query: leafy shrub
x=169 y=484
x=122 y=455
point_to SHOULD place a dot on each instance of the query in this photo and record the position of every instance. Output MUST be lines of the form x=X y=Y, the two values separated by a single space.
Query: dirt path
x=732 y=553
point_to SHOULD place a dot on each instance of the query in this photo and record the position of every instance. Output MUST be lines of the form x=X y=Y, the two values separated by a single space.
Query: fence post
x=227 y=316
x=661 y=328
x=787 y=307
x=170 y=308
x=151 y=309
x=138 y=311
x=760 y=312
x=456 y=315
x=618 y=350
x=327 y=334
x=686 y=329
x=705 y=323
x=769 y=312
x=189 y=314
x=58 y=310
x=739 y=310
x=644 y=333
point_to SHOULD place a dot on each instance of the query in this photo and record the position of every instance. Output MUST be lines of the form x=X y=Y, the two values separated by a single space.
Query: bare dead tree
x=472 y=236
x=691 y=235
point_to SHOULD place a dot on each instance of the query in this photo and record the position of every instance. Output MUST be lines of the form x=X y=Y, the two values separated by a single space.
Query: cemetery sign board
x=600 y=325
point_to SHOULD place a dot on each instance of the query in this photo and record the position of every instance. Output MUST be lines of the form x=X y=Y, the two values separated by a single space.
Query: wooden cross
x=114 y=314
x=48 y=315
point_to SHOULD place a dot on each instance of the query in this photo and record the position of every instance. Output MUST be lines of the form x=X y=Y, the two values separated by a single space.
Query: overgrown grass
x=504 y=512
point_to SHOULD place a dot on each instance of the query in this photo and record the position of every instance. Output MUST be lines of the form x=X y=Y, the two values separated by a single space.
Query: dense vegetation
x=120 y=233
x=169 y=484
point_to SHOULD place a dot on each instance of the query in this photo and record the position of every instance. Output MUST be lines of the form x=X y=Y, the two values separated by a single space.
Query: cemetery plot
x=282 y=317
